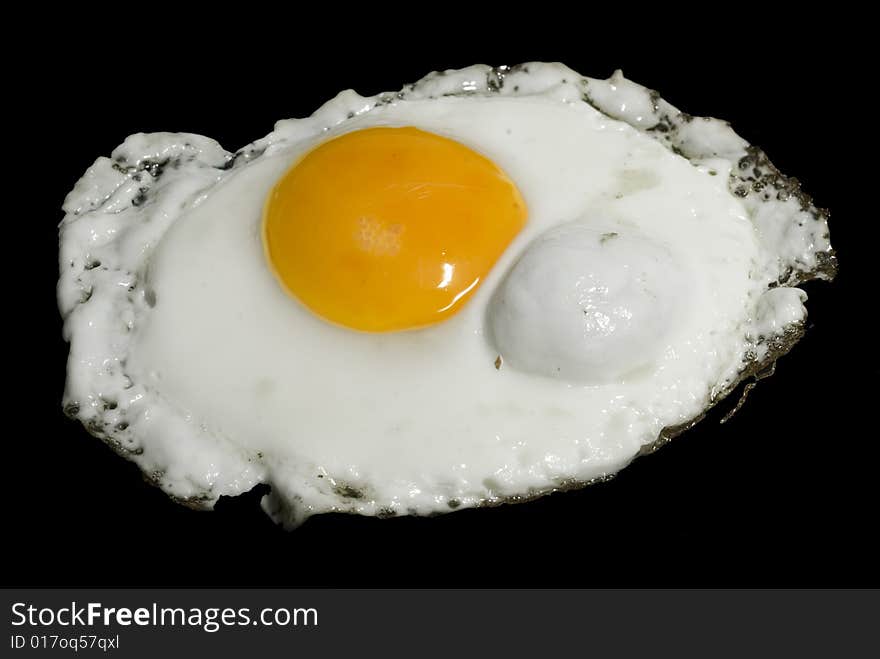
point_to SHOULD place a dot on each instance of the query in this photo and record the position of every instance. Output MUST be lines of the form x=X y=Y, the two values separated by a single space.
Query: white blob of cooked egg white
x=650 y=275
x=592 y=301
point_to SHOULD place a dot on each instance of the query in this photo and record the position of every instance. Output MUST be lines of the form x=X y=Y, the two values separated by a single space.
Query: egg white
x=193 y=360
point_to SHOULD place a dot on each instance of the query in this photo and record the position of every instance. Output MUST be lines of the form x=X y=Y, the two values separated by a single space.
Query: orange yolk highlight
x=387 y=229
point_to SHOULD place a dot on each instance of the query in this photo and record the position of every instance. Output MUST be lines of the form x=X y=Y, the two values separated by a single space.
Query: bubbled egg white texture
x=635 y=294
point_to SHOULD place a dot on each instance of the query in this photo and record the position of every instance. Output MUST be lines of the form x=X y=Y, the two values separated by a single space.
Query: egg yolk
x=387 y=229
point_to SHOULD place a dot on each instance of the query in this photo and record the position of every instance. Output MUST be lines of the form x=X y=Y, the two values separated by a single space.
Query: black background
x=783 y=494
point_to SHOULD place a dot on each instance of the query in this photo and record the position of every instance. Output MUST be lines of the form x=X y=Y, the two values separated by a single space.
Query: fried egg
x=494 y=284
